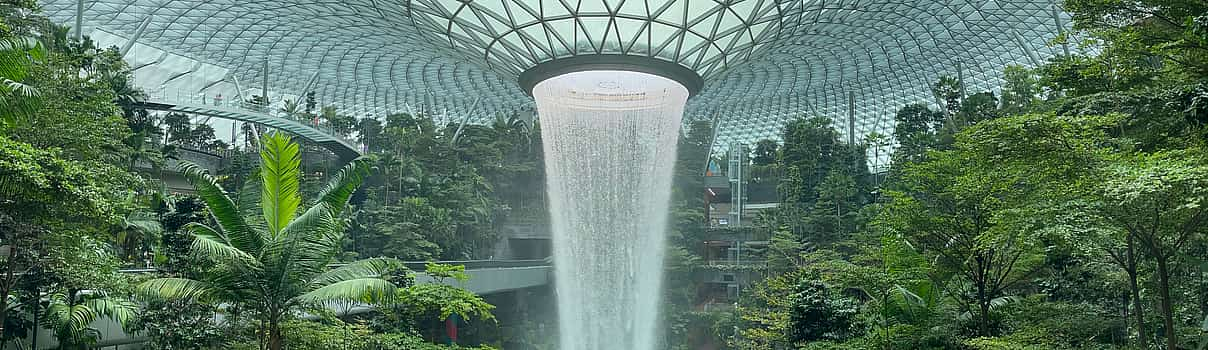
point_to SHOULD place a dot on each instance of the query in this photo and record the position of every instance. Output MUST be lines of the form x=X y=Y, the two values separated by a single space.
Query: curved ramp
x=495 y=276
x=342 y=148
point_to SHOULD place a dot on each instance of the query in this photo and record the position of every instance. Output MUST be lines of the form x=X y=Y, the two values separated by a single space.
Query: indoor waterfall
x=610 y=142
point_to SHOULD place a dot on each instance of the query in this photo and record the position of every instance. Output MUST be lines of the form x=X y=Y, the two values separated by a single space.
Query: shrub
x=334 y=334
x=179 y=325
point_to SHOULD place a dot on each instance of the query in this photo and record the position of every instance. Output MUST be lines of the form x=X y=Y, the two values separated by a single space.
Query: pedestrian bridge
x=493 y=276
x=344 y=148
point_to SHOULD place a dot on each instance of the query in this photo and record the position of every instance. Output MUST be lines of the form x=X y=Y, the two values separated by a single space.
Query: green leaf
x=222 y=208
x=280 y=164
x=211 y=245
x=341 y=186
x=360 y=290
x=173 y=288
x=367 y=268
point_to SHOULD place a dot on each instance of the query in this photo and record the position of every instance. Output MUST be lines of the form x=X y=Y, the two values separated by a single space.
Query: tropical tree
x=277 y=262
x=1159 y=200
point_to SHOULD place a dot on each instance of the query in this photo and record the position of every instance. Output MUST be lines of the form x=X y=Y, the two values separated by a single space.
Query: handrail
x=201 y=99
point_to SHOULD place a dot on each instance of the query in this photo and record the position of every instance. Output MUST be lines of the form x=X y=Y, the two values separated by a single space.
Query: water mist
x=610 y=142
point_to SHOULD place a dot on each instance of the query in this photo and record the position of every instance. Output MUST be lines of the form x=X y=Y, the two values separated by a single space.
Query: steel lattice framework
x=764 y=62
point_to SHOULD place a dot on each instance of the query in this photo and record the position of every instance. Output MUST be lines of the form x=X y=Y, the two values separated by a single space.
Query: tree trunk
x=983 y=303
x=7 y=285
x=274 y=333
x=1135 y=290
x=1172 y=339
x=984 y=322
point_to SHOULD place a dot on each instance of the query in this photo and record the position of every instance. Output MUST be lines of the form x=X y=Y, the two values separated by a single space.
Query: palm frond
x=143 y=221
x=307 y=245
x=173 y=288
x=212 y=245
x=360 y=290
x=222 y=208
x=341 y=186
x=280 y=164
x=367 y=268
x=119 y=310
x=248 y=197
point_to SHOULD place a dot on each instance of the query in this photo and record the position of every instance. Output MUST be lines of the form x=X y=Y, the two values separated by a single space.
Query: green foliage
x=819 y=313
x=440 y=272
x=765 y=152
x=811 y=152
x=18 y=100
x=43 y=185
x=1135 y=32
x=1020 y=90
x=412 y=230
x=329 y=334
x=179 y=324
x=429 y=190
x=917 y=130
x=281 y=266
x=70 y=317
x=441 y=300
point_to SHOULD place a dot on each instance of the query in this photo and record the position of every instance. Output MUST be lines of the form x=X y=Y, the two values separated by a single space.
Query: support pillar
x=960 y=79
x=712 y=141
x=137 y=34
x=1065 y=42
x=79 y=20
x=464 y=120
x=310 y=83
x=264 y=83
x=1027 y=48
x=851 y=118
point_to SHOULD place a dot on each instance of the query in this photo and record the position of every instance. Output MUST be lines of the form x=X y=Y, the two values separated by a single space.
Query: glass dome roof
x=764 y=62
x=514 y=35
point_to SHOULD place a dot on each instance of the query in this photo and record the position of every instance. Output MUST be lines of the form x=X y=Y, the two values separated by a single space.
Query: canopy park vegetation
x=1064 y=211
x=257 y=253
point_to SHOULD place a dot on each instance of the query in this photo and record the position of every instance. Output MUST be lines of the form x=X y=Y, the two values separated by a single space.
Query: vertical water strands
x=610 y=139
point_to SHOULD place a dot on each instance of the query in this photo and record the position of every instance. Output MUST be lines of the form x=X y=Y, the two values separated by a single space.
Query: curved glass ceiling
x=764 y=61
x=514 y=35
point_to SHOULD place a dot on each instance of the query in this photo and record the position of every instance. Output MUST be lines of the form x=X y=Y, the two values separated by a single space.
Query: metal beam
x=306 y=89
x=157 y=60
x=238 y=89
x=138 y=33
x=196 y=66
x=464 y=120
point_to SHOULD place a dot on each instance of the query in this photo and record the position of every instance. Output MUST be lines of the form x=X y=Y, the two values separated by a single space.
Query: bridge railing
x=179 y=97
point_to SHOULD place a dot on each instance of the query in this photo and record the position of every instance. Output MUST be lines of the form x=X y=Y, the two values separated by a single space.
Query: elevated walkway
x=494 y=276
x=329 y=139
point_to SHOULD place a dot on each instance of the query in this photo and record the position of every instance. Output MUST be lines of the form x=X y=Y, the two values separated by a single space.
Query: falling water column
x=610 y=139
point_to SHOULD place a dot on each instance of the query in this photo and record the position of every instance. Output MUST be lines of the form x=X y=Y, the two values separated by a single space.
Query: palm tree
x=277 y=262
x=17 y=57
x=291 y=109
x=70 y=316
